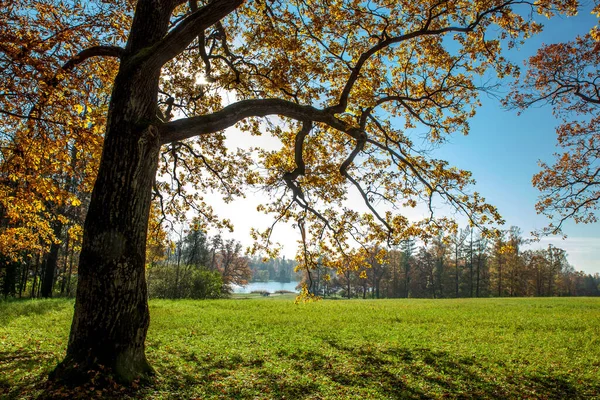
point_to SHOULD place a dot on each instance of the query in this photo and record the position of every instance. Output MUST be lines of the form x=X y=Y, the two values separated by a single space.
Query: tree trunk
x=471 y=265
x=35 y=275
x=50 y=263
x=111 y=309
x=456 y=277
x=440 y=276
x=70 y=273
x=38 y=292
x=176 y=287
x=63 y=284
x=24 y=278
x=348 y=283
x=500 y=279
x=10 y=279
x=478 y=271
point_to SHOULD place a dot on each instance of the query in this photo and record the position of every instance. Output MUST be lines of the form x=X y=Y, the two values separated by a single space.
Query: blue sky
x=501 y=151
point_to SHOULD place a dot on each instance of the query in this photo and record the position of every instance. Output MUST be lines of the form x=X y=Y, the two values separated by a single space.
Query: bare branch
x=30 y=117
x=361 y=139
x=96 y=51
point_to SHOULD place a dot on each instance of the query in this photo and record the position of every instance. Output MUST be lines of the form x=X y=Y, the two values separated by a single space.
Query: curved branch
x=583 y=96
x=186 y=32
x=424 y=31
x=30 y=117
x=298 y=149
x=189 y=127
x=95 y=51
x=298 y=195
x=360 y=144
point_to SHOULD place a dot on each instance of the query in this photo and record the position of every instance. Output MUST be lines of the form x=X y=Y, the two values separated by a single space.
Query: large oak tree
x=358 y=88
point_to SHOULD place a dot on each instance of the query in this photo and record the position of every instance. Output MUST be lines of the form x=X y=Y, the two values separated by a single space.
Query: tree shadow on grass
x=336 y=371
x=18 y=376
x=424 y=373
x=235 y=376
x=332 y=371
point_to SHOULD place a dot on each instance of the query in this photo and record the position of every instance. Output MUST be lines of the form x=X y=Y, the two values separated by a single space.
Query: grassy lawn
x=270 y=348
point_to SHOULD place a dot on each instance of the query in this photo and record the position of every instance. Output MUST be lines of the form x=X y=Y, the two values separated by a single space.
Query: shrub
x=193 y=283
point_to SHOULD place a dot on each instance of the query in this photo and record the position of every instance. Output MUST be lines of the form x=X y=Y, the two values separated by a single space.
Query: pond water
x=270 y=287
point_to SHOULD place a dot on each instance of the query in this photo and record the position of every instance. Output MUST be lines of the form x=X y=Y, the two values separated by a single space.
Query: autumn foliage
x=565 y=76
x=355 y=92
x=53 y=118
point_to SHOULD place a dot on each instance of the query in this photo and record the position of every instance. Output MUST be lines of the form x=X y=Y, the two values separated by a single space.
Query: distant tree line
x=191 y=266
x=201 y=267
x=462 y=265
x=198 y=266
x=274 y=269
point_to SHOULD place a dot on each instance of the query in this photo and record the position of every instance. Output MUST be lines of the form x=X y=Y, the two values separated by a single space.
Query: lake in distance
x=271 y=287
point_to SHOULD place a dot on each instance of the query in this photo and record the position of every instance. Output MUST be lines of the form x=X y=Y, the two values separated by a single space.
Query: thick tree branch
x=298 y=157
x=585 y=97
x=290 y=177
x=189 y=127
x=186 y=32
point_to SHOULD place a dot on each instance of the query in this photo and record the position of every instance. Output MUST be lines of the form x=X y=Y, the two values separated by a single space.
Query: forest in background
x=198 y=266
x=463 y=265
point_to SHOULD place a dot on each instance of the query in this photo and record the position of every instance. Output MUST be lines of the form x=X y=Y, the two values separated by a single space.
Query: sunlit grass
x=376 y=349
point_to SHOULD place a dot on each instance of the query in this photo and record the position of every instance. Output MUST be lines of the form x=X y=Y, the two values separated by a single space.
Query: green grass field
x=270 y=348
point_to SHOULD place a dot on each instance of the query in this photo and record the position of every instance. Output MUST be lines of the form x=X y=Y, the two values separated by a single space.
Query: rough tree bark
x=111 y=311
